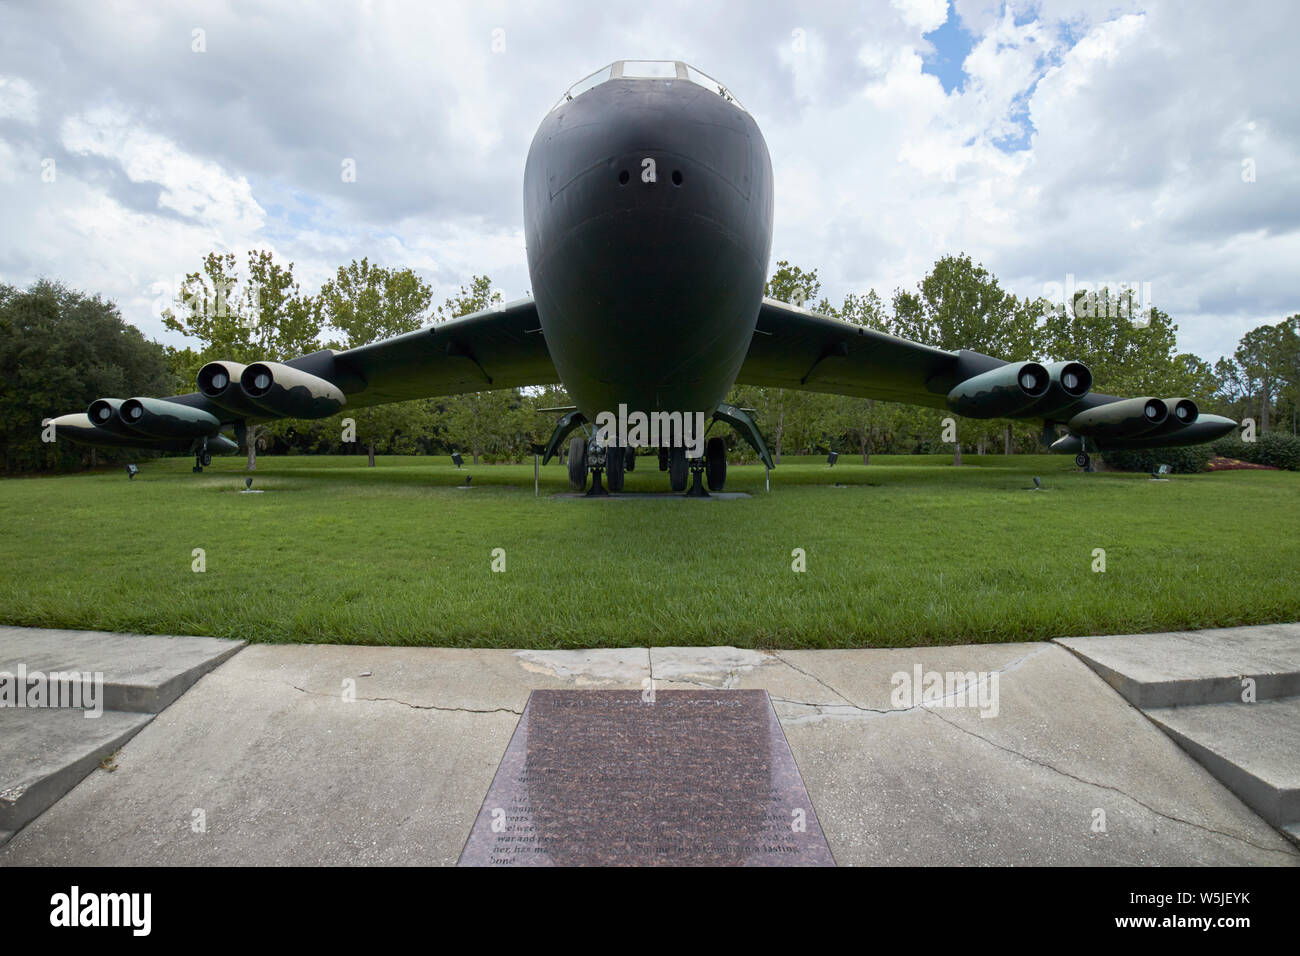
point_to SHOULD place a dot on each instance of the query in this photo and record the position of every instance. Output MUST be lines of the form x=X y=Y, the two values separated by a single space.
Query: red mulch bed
x=1235 y=464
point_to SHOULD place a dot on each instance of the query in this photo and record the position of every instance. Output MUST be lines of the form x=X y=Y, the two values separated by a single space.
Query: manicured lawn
x=911 y=551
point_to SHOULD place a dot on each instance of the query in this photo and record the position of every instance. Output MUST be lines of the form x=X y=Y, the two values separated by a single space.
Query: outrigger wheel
x=578 y=463
x=1082 y=460
x=715 y=463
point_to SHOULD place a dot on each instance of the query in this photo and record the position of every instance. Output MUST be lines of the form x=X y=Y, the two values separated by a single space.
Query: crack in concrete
x=407 y=703
x=1106 y=786
x=960 y=691
x=796 y=667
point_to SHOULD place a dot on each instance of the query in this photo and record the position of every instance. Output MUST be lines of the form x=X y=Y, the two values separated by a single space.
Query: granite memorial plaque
x=609 y=777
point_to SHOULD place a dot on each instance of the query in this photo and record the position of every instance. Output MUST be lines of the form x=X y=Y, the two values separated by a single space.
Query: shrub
x=1272 y=448
x=1186 y=460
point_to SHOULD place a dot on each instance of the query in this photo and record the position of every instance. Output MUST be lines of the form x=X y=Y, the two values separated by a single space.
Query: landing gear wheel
x=1082 y=460
x=197 y=468
x=578 y=463
x=663 y=459
x=615 y=461
x=206 y=459
x=630 y=464
x=715 y=463
x=677 y=468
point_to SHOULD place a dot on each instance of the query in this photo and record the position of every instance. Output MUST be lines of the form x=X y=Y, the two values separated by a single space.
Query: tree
x=487 y=421
x=367 y=303
x=263 y=317
x=1261 y=356
x=59 y=351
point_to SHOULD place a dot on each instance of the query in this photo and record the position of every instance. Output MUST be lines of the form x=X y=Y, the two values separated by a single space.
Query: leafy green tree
x=1261 y=354
x=260 y=316
x=59 y=351
x=366 y=304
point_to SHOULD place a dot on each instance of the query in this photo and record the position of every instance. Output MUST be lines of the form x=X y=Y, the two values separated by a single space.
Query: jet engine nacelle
x=1001 y=392
x=219 y=383
x=1182 y=412
x=158 y=418
x=1070 y=381
x=105 y=414
x=1126 y=419
x=290 y=392
x=80 y=428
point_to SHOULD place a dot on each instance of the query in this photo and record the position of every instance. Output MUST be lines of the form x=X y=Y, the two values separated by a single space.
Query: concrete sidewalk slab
x=1254 y=749
x=45 y=751
x=143 y=673
x=1195 y=667
x=283 y=769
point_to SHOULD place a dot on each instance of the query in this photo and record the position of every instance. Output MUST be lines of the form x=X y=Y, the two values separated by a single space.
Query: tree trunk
x=956 y=453
x=1009 y=451
x=866 y=449
x=371 y=446
x=251 y=441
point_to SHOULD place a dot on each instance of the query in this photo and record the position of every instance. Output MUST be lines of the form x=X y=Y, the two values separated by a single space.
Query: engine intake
x=1071 y=381
x=290 y=392
x=1001 y=391
x=219 y=383
x=105 y=414
x=1117 y=420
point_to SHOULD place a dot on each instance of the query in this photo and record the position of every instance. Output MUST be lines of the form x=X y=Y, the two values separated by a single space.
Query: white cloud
x=924 y=15
x=197 y=189
x=1141 y=118
x=17 y=99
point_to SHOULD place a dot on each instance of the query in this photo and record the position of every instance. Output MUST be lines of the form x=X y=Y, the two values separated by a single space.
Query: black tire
x=578 y=464
x=1081 y=460
x=677 y=473
x=207 y=459
x=715 y=464
x=663 y=459
x=615 y=460
x=630 y=464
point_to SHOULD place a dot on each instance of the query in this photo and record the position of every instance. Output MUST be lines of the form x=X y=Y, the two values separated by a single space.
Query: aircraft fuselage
x=648 y=220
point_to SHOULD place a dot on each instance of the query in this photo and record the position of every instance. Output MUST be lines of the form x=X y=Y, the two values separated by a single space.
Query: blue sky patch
x=952 y=42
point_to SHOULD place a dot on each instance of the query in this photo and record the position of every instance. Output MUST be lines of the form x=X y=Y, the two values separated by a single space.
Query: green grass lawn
x=910 y=551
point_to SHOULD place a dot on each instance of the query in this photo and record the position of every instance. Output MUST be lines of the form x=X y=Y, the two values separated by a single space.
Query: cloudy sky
x=1145 y=142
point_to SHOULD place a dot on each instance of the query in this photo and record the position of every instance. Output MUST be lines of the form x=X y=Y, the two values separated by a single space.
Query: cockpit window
x=667 y=70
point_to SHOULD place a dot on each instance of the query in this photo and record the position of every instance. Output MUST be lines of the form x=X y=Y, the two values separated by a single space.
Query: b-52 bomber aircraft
x=648 y=220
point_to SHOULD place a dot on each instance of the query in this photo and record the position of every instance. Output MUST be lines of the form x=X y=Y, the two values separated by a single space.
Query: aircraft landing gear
x=202 y=458
x=677 y=469
x=1084 y=461
x=697 y=473
x=578 y=463
x=591 y=456
x=715 y=463
x=615 y=465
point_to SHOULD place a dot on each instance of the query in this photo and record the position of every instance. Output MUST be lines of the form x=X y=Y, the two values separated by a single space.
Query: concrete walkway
x=266 y=760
